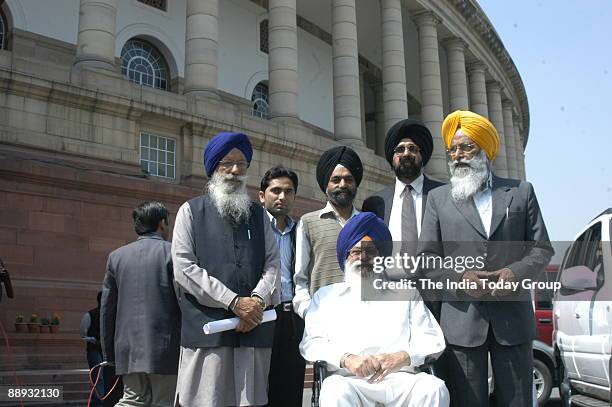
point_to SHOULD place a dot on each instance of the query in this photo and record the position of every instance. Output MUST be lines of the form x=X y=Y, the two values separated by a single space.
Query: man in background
x=90 y=333
x=286 y=379
x=140 y=317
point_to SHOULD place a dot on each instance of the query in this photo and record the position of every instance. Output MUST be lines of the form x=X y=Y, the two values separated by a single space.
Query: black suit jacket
x=382 y=202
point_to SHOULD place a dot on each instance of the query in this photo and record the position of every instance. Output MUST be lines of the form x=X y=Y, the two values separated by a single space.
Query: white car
x=582 y=316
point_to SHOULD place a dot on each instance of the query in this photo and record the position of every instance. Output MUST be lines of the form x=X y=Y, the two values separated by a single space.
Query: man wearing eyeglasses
x=408 y=148
x=497 y=220
x=226 y=264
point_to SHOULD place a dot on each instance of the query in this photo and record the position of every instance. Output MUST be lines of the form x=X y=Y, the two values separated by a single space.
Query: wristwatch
x=259 y=299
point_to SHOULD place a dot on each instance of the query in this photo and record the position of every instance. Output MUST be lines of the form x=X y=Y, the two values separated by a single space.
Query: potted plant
x=34 y=324
x=55 y=324
x=20 y=325
x=45 y=326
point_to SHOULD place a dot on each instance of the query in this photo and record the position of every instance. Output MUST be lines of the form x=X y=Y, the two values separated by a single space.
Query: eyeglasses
x=228 y=165
x=367 y=252
x=463 y=147
x=412 y=148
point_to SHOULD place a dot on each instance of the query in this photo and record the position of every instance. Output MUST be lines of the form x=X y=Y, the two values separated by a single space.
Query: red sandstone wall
x=57 y=225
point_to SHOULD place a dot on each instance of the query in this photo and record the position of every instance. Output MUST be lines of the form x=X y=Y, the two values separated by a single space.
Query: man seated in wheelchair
x=372 y=347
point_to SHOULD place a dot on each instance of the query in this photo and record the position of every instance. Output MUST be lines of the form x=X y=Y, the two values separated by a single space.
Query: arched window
x=260 y=100
x=263 y=36
x=143 y=64
x=3 y=31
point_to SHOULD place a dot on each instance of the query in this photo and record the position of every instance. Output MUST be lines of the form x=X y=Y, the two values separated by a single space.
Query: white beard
x=466 y=181
x=230 y=198
x=352 y=277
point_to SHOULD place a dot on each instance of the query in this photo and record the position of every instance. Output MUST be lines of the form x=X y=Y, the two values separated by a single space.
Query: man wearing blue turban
x=373 y=346
x=226 y=263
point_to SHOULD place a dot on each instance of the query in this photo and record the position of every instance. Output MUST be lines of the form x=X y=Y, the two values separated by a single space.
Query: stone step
x=74 y=382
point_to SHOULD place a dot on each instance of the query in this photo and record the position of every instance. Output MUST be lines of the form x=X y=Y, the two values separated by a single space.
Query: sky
x=563 y=51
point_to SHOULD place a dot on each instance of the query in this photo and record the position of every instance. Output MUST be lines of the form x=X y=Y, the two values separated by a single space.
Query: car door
x=600 y=343
x=571 y=311
x=587 y=347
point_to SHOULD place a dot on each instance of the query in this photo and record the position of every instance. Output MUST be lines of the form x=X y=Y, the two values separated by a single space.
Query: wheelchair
x=320 y=372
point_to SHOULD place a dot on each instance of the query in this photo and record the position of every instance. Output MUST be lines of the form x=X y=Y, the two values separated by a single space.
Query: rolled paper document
x=231 y=323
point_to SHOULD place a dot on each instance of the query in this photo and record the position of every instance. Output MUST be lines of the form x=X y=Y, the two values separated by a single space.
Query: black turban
x=415 y=131
x=344 y=156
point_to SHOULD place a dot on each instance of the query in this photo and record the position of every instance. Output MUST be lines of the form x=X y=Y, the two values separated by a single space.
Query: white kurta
x=221 y=376
x=337 y=322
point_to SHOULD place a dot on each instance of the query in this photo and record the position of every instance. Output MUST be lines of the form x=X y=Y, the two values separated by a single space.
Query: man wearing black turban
x=408 y=147
x=339 y=173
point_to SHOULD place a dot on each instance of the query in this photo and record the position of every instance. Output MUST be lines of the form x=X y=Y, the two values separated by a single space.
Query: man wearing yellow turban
x=498 y=222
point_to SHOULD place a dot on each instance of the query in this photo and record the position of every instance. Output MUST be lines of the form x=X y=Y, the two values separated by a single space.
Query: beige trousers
x=142 y=389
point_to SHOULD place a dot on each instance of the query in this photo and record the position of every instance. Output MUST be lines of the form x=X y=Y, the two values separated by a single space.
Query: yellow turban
x=476 y=127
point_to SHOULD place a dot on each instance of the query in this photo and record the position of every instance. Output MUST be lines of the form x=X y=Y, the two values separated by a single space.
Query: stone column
x=362 y=111
x=457 y=78
x=345 y=65
x=201 y=48
x=431 y=90
x=520 y=154
x=509 y=138
x=96 y=37
x=494 y=89
x=282 y=59
x=394 y=65
x=381 y=132
x=478 y=89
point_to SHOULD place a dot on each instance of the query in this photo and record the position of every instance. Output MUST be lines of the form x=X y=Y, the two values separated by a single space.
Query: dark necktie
x=409 y=222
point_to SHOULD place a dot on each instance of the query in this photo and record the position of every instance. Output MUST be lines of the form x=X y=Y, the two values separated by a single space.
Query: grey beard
x=466 y=181
x=231 y=199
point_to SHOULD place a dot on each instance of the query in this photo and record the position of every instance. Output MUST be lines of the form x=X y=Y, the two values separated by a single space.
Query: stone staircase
x=46 y=360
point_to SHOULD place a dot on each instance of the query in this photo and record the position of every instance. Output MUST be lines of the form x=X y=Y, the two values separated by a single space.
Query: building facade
x=107 y=103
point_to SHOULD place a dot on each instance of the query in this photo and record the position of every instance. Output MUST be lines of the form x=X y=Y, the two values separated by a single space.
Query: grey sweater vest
x=322 y=233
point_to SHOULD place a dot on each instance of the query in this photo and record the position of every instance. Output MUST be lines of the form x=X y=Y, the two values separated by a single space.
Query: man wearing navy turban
x=372 y=346
x=226 y=263
x=339 y=173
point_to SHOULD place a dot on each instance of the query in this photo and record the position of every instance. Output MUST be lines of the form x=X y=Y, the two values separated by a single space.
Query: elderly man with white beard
x=372 y=346
x=226 y=264
x=498 y=220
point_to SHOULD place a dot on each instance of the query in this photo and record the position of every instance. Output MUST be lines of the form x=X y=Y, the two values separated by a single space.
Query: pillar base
x=207 y=93
x=95 y=62
x=94 y=77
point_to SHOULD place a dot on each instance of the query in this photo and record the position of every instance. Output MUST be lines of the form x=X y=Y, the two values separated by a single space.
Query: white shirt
x=338 y=322
x=303 y=266
x=395 y=218
x=484 y=205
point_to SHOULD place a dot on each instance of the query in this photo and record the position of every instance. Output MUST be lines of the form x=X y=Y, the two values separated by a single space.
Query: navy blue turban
x=359 y=226
x=220 y=145
x=415 y=131
x=330 y=159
